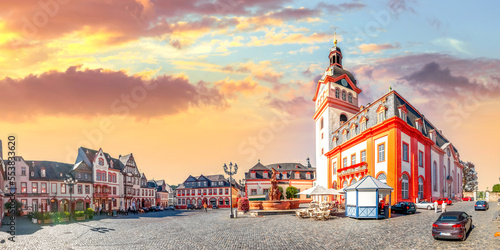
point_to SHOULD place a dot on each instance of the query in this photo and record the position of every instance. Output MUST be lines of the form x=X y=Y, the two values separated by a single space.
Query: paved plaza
x=215 y=230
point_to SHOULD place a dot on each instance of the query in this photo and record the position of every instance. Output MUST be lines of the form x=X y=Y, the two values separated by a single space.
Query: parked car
x=467 y=199
x=425 y=205
x=199 y=207
x=146 y=209
x=154 y=209
x=160 y=208
x=452 y=225
x=404 y=207
x=441 y=200
x=481 y=205
x=170 y=208
x=191 y=207
x=215 y=207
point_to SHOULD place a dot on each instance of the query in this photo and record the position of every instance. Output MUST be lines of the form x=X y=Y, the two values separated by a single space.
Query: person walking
x=444 y=207
x=205 y=207
x=435 y=206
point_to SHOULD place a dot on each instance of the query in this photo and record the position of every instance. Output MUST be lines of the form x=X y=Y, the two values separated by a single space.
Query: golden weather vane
x=335 y=38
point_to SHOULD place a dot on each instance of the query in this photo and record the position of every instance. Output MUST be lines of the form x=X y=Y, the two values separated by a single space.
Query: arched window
x=353 y=181
x=382 y=178
x=337 y=93
x=420 y=188
x=404 y=186
x=434 y=176
x=343 y=95
x=343 y=118
x=449 y=166
x=344 y=185
x=349 y=98
x=42 y=172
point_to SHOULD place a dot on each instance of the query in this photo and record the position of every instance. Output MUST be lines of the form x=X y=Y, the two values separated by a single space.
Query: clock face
x=344 y=82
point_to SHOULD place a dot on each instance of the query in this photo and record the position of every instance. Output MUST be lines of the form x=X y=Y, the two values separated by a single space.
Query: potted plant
x=90 y=213
x=48 y=218
x=39 y=217
x=8 y=206
x=80 y=215
x=243 y=204
x=63 y=216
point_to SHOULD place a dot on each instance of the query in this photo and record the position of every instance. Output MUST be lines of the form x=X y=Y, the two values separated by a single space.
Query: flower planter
x=64 y=220
x=48 y=221
x=35 y=221
x=80 y=218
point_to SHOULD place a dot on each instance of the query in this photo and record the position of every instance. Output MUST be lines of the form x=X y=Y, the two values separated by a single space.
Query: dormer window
x=403 y=112
x=266 y=175
x=345 y=133
x=363 y=122
x=285 y=176
x=32 y=174
x=353 y=130
x=297 y=175
x=381 y=113
x=308 y=175
x=252 y=175
x=279 y=166
x=418 y=124
x=432 y=135
x=42 y=172
x=335 y=139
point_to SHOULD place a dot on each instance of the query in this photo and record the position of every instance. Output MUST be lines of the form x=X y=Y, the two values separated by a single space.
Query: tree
x=291 y=192
x=469 y=177
x=496 y=188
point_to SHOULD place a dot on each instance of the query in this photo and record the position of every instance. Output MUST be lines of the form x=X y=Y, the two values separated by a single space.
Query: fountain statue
x=274 y=193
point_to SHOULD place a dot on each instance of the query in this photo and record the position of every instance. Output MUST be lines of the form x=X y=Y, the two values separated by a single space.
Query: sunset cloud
x=377 y=48
x=94 y=92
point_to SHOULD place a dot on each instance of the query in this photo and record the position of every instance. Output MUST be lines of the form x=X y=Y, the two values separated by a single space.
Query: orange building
x=388 y=139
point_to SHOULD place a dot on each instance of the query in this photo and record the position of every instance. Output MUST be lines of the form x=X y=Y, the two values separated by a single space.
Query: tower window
x=343 y=95
x=337 y=93
x=349 y=98
x=343 y=118
x=321 y=123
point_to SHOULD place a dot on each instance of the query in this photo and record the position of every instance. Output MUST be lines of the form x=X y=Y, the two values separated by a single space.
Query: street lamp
x=230 y=173
x=70 y=181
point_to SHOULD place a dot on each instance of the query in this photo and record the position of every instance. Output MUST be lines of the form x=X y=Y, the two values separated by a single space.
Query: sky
x=188 y=86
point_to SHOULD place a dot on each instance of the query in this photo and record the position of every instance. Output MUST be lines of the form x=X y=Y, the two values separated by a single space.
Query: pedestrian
x=205 y=207
x=444 y=207
x=435 y=206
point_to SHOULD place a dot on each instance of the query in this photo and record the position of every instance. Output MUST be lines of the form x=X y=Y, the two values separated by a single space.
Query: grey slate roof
x=392 y=103
x=289 y=168
x=53 y=170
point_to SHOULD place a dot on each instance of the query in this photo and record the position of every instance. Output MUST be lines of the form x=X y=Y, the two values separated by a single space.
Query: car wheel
x=464 y=237
x=429 y=207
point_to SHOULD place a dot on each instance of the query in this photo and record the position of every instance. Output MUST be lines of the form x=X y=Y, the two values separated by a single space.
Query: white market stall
x=362 y=198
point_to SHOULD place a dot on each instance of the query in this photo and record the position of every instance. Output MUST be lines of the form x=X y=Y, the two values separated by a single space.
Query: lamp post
x=69 y=181
x=242 y=184
x=230 y=172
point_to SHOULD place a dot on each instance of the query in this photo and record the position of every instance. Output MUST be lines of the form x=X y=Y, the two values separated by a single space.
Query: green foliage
x=243 y=204
x=90 y=212
x=8 y=206
x=30 y=215
x=281 y=191
x=496 y=188
x=38 y=215
x=291 y=192
x=79 y=214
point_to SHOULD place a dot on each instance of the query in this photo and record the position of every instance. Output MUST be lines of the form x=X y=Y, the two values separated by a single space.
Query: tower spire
x=335 y=38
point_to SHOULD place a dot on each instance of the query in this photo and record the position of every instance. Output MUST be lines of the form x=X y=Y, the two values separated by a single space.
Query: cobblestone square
x=184 y=229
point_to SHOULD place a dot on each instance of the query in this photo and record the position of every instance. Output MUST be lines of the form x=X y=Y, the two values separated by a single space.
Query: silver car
x=425 y=205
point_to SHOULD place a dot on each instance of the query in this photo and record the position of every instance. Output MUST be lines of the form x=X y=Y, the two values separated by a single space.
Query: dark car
x=191 y=207
x=452 y=225
x=170 y=208
x=146 y=209
x=481 y=205
x=153 y=209
x=199 y=207
x=404 y=207
x=441 y=200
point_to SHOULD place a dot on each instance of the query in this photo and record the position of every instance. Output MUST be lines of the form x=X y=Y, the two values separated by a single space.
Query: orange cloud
x=91 y=92
x=377 y=48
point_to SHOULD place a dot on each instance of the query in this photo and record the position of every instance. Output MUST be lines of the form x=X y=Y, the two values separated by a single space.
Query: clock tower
x=336 y=101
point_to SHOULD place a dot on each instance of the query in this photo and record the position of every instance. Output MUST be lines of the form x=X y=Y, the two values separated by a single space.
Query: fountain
x=274 y=202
